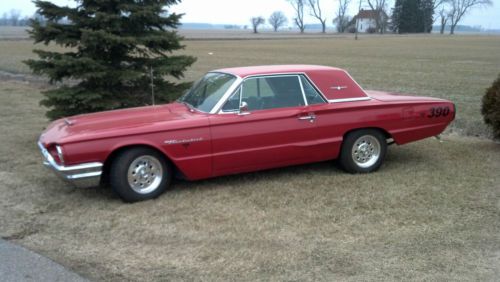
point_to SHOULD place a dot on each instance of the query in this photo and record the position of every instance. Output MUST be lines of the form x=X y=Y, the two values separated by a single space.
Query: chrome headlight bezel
x=60 y=154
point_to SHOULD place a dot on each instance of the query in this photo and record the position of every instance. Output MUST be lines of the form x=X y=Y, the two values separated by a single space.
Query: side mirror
x=243 y=109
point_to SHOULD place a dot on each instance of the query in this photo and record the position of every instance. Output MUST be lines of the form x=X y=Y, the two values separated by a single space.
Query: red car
x=239 y=120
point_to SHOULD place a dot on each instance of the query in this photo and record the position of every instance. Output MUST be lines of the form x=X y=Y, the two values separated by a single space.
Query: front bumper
x=82 y=175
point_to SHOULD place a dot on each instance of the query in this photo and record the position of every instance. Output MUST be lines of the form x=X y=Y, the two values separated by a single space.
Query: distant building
x=366 y=20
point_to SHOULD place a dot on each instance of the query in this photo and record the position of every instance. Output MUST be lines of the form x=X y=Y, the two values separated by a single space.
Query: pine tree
x=427 y=7
x=114 y=50
x=413 y=16
x=396 y=16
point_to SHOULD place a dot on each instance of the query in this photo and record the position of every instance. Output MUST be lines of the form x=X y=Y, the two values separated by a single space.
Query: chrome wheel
x=145 y=174
x=366 y=151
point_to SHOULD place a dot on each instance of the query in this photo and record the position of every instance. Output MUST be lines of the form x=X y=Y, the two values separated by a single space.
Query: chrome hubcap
x=145 y=174
x=366 y=151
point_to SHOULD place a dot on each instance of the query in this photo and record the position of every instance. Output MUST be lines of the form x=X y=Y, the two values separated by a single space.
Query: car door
x=277 y=128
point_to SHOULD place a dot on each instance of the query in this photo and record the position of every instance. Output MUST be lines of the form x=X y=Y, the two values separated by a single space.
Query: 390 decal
x=439 y=112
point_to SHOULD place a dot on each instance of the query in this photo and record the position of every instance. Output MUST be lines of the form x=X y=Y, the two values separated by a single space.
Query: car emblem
x=183 y=141
x=338 y=87
x=68 y=122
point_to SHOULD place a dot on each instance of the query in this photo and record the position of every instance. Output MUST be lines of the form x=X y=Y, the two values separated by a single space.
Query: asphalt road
x=19 y=264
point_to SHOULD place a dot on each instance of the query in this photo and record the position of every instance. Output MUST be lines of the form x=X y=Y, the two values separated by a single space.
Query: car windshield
x=205 y=94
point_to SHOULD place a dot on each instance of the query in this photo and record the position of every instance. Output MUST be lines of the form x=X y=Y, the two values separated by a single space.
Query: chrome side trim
x=82 y=175
x=350 y=100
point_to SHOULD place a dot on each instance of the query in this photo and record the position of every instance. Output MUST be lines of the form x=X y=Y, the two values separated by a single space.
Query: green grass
x=431 y=213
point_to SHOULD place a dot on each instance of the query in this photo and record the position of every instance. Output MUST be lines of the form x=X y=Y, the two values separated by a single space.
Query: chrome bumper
x=82 y=175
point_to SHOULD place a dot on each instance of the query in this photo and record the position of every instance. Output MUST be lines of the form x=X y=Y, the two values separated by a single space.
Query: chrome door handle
x=310 y=118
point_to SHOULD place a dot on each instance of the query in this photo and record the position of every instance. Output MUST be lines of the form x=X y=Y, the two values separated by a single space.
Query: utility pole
x=357 y=20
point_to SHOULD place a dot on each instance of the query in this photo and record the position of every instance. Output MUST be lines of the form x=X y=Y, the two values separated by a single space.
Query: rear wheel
x=363 y=151
x=139 y=174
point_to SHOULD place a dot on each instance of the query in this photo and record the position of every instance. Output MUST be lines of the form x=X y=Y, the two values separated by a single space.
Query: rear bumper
x=82 y=175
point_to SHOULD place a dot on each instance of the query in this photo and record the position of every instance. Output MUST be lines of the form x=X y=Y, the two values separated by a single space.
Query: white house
x=366 y=19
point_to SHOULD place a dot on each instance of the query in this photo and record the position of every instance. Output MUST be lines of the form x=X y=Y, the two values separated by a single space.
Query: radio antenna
x=152 y=85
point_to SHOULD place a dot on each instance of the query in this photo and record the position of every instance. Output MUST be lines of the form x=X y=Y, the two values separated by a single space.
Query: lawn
x=431 y=213
x=458 y=68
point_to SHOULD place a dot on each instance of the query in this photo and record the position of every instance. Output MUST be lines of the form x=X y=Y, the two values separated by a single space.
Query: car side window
x=312 y=95
x=262 y=93
x=271 y=92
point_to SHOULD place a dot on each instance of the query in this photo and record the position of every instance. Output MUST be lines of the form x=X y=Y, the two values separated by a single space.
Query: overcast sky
x=240 y=11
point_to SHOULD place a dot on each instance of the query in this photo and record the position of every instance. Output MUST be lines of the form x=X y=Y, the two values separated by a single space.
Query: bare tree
x=437 y=3
x=256 y=21
x=15 y=15
x=342 y=20
x=444 y=15
x=315 y=11
x=298 y=6
x=277 y=20
x=458 y=9
x=379 y=7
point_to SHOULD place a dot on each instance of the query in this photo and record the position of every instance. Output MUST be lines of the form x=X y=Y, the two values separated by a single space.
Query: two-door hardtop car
x=239 y=120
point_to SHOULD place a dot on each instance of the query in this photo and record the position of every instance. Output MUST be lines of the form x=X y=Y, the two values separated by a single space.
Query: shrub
x=371 y=30
x=491 y=107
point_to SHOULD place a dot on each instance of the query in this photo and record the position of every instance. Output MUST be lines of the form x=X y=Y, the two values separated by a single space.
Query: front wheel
x=363 y=151
x=139 y=174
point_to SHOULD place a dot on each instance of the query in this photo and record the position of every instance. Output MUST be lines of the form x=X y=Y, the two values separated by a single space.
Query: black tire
x=146 y=160
x=358 y=157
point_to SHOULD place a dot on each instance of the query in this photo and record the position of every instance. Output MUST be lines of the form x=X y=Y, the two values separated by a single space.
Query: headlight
x=60 y=154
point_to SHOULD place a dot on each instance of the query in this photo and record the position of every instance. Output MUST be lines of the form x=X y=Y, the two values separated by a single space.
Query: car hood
x=119 y=122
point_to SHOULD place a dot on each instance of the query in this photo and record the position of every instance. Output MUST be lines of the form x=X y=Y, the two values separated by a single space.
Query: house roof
x=367 y=14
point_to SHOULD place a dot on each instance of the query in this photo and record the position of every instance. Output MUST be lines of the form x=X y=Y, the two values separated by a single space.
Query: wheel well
x=111 y=157
x=386 y=134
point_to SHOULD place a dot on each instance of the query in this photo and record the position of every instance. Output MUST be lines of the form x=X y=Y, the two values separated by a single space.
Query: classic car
x=239 y=120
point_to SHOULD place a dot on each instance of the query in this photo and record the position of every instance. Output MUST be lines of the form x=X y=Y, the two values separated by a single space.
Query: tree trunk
x=254 y=29
x=444 y=20
x=452 y=29
x=323 y=26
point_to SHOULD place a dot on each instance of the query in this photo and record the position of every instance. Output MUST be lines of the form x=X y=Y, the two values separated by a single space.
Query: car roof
x=274 y=69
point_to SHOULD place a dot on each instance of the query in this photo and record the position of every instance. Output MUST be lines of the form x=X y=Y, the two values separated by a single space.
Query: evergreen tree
x=396 y=16
x=413 y=16
x=115 y=50
x=427 y=7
